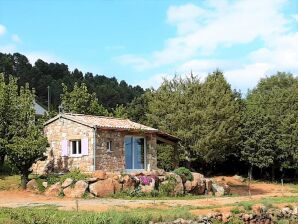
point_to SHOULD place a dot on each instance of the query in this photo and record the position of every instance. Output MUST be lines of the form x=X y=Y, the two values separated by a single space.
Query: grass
x=9 y=182
x=52 y=215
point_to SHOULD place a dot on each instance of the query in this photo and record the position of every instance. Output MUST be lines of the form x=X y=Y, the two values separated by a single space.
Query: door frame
x=133 y=152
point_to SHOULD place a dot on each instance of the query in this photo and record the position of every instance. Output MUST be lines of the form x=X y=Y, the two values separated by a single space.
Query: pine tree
x=79 y=100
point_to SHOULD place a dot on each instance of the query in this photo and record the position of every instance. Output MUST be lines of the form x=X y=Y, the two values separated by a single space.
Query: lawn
x=9 y=182
x=52 y=215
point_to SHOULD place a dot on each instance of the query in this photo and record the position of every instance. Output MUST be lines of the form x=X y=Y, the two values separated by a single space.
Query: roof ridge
x=89 y=115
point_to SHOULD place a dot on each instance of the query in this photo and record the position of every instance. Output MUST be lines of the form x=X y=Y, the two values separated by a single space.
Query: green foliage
x=120 y=112
x=80 y=101
x=184 y=173
x=270 y=124
x=205 y=115
x=235 y=211
x=20 y=138
x=165 y=155
x=109 y=91
x=51 y=215
x=75 y=174
x=39 y=181
x=167 y=187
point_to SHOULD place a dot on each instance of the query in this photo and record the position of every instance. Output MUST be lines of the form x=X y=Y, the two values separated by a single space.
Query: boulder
x=92 y=180
x=45 y=184
x=67 y=182
x=258 y=209
x=217 y=190
x=32 y=185
x=197 y=185
x=179 y=189
x=103 y=188
x=208 y=185
x=77 y=191
x=100 y=175
x=54 y=190
x=129 y=182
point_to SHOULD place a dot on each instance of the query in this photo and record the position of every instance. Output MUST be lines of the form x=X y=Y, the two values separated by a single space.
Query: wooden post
x=77 y=205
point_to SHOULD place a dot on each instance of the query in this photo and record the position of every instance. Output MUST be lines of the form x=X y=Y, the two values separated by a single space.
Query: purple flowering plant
x=145 y=180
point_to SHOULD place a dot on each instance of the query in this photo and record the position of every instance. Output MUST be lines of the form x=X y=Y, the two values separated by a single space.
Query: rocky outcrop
x=268 y=216
x=103 y=188
x=32 y=186
x=103 y=184
x=67 y=182
x=54 y=190
x=77 y=191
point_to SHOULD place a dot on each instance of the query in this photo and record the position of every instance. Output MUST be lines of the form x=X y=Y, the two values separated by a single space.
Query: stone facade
x=114 y=160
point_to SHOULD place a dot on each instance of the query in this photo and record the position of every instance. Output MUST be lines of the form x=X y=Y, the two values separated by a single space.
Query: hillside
x=109 y=91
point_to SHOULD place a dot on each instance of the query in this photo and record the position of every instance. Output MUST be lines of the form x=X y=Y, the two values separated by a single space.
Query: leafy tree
x=205 y=115
x=8 y=111
x=270 y=124
x=27 y=144
x=120 y=112
x=79 y=100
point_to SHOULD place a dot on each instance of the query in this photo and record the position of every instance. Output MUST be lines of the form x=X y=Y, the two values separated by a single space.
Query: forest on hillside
x=109 y=91
x=221 y=131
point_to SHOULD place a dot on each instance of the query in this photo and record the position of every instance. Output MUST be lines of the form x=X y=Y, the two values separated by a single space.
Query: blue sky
x=144 y=41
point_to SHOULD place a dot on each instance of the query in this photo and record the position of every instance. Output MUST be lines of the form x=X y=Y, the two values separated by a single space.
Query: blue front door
x=135 y=153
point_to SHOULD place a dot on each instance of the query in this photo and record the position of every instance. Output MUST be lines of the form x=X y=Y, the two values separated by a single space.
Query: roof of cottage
x=110 y=123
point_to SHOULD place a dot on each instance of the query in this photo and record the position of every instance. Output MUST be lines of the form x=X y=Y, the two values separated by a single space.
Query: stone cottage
x=92 y=143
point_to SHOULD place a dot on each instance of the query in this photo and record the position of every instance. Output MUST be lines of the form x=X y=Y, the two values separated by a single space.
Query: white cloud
x=154 y=81
x=201 y=30
x=2 y=30
x=16 y=38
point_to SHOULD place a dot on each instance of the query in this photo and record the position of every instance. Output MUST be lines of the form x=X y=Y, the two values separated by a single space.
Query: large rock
x=103 y=188
x=32 y=185
x=220 y=190
x=197 y=185
x=128 y=182
x=208 y=185
x=54 y=190
x=67 y=182
x=101 y=175
x=77 y=191
x=179 y=189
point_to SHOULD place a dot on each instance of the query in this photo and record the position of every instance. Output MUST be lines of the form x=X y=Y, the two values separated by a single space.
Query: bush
x=168 y=187
x=76 y=175
x=184 y=173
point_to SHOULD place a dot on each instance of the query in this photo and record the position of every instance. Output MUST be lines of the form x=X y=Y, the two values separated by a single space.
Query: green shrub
x=184 y=173
x=39 y=181
x=52 y=179
x=76 y=175
x=167 y=188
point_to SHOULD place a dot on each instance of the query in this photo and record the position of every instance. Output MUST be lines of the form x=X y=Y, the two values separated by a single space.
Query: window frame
x=78 y=146
x=109 y=145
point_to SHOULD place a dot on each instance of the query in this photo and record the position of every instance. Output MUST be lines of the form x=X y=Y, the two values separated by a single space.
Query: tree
x=8 y=111
x=27 y=144
x=79 y=100
x=120 y=112
x=270 y=128
x=204 y=115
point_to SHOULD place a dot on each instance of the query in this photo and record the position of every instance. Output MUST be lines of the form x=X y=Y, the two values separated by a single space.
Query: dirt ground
x=17 y=198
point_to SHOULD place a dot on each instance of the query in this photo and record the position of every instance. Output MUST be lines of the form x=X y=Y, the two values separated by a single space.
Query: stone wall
x=63 y=129
x=115 y=160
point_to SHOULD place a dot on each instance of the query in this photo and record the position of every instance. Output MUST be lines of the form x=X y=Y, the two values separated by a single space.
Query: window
x=76 y=147
x=109 y=146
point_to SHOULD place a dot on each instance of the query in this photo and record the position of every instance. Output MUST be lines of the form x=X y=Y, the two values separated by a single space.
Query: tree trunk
x=249 y=179
x=2 y=157
x=24 y=180
x=273 y=173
